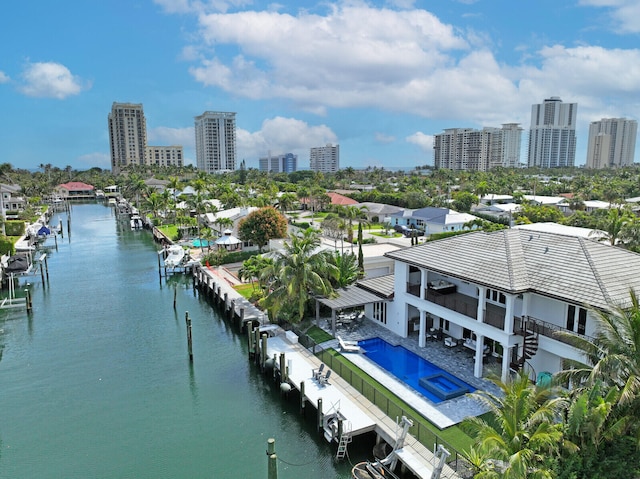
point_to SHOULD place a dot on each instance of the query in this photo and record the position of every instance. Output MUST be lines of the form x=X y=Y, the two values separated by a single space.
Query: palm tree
x=612 y=225
x=351 y=213
x=252 y=268
x=174 y=185
x=523 y=430
x=298 y=274
x=613 y=354
x=347 y=269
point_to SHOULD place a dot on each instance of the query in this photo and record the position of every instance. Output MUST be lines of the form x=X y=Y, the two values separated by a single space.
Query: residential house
x=11 y=199
x=432 y=220
x=504 y=294
x=380 y=211
x=75 y=190
x=227 y=220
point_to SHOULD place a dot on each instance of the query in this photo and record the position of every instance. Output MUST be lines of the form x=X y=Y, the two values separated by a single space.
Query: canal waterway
x=96 y=382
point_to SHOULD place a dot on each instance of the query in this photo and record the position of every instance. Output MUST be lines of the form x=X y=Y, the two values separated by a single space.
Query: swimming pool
x=200 y=243
x=423 y=376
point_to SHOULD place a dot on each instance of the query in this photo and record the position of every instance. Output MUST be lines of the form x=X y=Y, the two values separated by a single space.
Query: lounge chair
x=325 y=379
x=317 y=372
x=348 y=346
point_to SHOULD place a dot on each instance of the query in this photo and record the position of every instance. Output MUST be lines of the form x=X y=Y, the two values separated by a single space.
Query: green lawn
x=246 y=290
x=171 y=231
x=319 y=335
x=392 y=234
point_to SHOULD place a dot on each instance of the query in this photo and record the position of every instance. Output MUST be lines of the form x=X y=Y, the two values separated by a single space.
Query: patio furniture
x=325 y=379
x=348 y=346
x=317 y=372
x=450 y=342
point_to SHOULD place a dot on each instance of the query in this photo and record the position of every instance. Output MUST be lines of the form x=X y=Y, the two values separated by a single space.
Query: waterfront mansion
x=502 y=296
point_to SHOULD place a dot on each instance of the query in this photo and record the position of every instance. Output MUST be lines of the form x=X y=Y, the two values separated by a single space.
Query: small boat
x=136 y=222
x=112 y=202
x=175 y=256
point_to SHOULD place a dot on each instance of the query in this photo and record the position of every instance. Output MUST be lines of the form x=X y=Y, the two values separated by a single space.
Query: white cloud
x=282 y=135
x=625 y=14
x=4 y=78
x=358 y=56
x=425 y=142
x=50 y=80
x=165 y=136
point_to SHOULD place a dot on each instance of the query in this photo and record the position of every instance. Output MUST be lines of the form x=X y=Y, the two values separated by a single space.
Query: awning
x=350 y=297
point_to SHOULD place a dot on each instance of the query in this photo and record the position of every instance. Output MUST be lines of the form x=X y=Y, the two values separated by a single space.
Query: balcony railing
x=413 y=289
x=460 y=303
x=531 y=324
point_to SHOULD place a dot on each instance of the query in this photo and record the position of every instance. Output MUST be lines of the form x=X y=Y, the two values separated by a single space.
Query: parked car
x=401 y=228
x=413 y=232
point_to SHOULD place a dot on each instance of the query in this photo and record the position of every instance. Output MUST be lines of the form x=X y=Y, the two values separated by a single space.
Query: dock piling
x=189 y=338
x=320 y=415
x=272 y=470
x=28 y=300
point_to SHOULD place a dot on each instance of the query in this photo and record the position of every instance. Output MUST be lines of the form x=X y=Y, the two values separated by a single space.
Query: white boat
x=175 y=256
x=136 y=222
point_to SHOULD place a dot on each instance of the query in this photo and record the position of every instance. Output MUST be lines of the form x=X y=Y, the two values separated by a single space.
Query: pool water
x=407 y=366
x=200 y=243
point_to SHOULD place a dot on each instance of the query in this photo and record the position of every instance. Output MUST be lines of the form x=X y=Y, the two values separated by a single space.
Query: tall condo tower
x=216 y=141
x=127 y=135
x=612 y=143
x=325 y=159
x=552 y=138
x=478 y=150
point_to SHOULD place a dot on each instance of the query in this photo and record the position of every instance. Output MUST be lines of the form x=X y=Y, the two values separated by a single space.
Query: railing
x=413 y=289
x=457 y=302
x=531 y=324
x=392 y=406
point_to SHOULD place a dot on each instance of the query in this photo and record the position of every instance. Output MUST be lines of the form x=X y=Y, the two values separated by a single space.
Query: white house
x=504 y=294
x=432 y=220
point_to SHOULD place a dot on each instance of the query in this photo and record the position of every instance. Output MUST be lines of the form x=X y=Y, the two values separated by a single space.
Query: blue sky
x=379 y=78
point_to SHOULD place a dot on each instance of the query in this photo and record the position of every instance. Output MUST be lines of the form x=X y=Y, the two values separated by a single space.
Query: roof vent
x=546 y=249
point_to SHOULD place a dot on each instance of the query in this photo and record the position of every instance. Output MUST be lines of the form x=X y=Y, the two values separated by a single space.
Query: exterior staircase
x=529 y=345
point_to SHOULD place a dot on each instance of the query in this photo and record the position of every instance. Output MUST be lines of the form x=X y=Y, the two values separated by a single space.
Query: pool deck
x=457 y=361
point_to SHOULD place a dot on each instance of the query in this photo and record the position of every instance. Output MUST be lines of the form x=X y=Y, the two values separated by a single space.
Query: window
x=380 y=312
x=576 y=319
x=496 y=296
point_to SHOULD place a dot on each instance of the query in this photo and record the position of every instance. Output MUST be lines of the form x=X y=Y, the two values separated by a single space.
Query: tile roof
x=568 y=268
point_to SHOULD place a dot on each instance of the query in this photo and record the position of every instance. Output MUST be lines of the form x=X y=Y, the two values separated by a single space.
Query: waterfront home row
x=504 y=295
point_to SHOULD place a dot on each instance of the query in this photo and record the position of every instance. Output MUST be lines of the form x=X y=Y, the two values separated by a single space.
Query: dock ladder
x=345 y=439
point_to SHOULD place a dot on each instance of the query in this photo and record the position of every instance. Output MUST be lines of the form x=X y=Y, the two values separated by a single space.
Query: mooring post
x=320 y=414
x=159 y=266
x=42 y=270
x=283 y=369
x=28 y=300
x=69 y=225
x=60 y=229
x=250 y=340
x=189 y=338
x=273 y=459
x=175 y=296
x=302 y=399
x=56 y=240
x=263 y=350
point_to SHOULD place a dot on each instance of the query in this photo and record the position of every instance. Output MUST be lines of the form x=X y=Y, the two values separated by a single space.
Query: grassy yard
x=171 y=231
x=246 y=290
x=392 y=234
x=319 y=335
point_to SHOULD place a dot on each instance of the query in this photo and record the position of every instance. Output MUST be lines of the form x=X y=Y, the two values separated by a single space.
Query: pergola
x=349 y=297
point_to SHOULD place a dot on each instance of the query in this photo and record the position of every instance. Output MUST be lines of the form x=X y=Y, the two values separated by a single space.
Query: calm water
x=97 y=383
x=405 y=365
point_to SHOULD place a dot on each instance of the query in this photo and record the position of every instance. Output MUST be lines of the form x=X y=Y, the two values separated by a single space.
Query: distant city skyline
x=380 y=78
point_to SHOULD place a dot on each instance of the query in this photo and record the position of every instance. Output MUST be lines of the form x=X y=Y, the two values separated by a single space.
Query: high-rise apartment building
x=325 y=159
x=552 y=137
x=612 y=143
x=216 y=141
x=127 y=135
x=478 y=150
x=287 y=163
x=164 y=156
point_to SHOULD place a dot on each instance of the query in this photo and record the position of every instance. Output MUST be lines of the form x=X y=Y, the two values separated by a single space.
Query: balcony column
x=422 y=335
x=482 y=301
x=506 y=354
x=423 y=286
x=508 y=314
x=477 y=367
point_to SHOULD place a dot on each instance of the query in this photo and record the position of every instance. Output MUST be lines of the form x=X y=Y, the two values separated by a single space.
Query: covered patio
x=348 y=298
